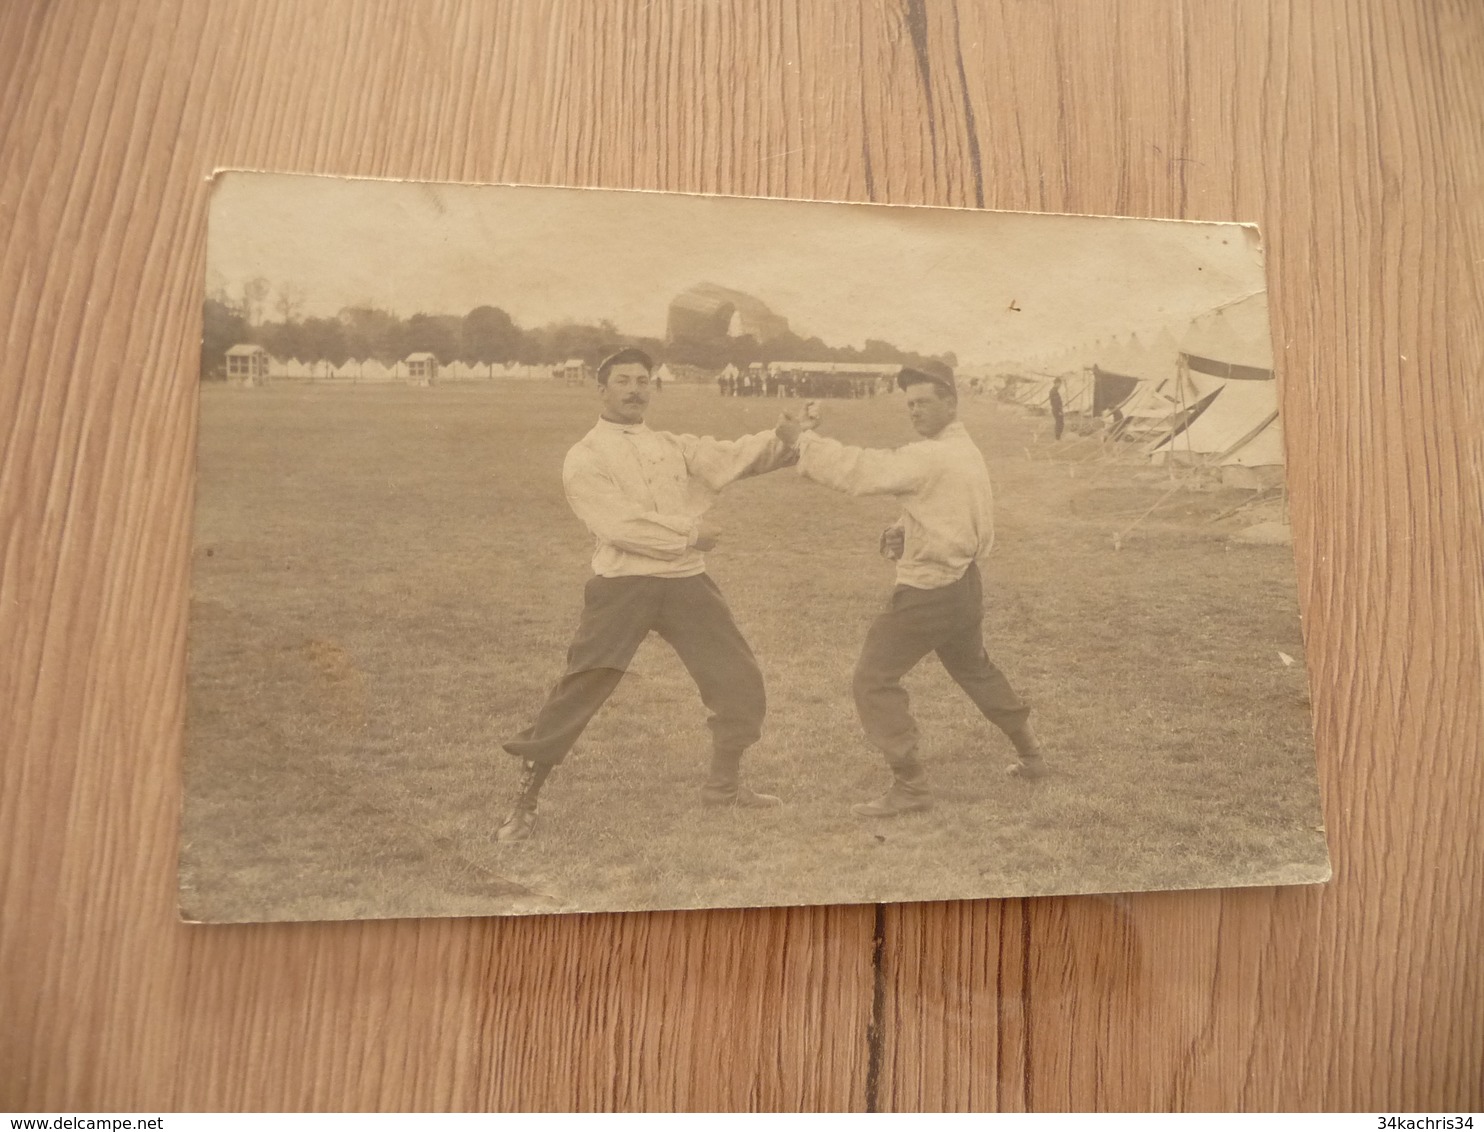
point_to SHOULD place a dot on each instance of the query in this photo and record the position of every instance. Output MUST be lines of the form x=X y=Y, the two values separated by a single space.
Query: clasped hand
x=791 y=427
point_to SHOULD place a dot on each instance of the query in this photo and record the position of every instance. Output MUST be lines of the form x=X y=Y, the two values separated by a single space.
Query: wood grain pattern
x=1353 y=132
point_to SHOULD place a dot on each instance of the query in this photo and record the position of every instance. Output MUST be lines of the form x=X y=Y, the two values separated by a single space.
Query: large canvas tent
x=1231 y=342
x=1131 y=375
x=1145 y=389
x=1034 y=390
x=1240 y=426
x=1077 y=389
x=1110 y=389
x=1228 y=355
x=1152 y=403
x=1030 y=389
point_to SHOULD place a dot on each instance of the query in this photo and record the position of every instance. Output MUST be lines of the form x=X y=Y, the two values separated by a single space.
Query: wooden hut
x=422 y=369
x=247 y=365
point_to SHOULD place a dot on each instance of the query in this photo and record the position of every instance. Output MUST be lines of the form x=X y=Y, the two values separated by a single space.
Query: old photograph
x=564 y=550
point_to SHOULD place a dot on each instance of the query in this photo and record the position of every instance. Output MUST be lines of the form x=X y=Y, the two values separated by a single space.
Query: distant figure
x=1057 y=412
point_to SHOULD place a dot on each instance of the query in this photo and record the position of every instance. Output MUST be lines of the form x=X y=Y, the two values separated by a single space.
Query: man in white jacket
x=643 y=494
x=946 y=528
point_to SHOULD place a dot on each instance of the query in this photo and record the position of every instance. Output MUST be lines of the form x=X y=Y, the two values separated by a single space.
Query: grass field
x=386 y=580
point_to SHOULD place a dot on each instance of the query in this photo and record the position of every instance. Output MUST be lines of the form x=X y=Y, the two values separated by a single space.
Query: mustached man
x=643 y=495
x=937 y=606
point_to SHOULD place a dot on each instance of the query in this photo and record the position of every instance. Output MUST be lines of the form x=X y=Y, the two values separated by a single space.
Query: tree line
x=488 y=335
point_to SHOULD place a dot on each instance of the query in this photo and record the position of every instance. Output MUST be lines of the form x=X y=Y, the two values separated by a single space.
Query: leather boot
x=521 y=823
x=724 y=787
x=909 y=794
x=1032 y=764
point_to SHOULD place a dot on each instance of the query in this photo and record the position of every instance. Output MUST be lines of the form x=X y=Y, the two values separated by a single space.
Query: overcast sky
x=925 y=279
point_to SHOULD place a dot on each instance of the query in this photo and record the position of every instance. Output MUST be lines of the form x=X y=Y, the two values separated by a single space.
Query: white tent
x=1077 y=391
x=1151 y=401
x=1031 y=389
x=1154 y=361
x=1164 y=349
x=1144 y=383
x=981 y=378
x=1236 y=334
x=1240 y=426
x=1228 y=353
x=372 y=370
x=1231 y=342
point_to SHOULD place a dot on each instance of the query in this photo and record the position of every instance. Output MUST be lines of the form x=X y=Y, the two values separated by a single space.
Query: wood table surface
x=1352 y=132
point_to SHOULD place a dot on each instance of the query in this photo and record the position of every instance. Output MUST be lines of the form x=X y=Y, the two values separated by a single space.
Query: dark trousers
x=949 y=622
x=617 y=614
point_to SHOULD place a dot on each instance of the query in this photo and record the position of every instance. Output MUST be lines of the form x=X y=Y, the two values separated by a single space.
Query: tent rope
x=1121 y=535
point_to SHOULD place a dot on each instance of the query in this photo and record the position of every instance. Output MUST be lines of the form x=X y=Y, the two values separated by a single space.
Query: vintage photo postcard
x=575 y=550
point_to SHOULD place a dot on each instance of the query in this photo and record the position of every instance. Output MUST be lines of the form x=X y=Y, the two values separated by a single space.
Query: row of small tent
x=254 y=363
x=372 y=370
x=1208 y=398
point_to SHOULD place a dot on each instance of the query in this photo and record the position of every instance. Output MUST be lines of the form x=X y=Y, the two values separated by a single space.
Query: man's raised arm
x=861 y=471
x=717 y=463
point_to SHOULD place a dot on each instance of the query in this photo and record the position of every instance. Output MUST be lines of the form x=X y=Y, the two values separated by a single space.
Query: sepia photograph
x=571 y=550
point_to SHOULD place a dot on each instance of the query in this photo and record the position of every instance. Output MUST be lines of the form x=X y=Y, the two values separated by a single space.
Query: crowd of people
x=787 y=383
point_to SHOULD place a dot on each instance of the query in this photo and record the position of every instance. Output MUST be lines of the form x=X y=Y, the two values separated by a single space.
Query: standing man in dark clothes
x=643 y=494
x=945 y=529
x=1057 y=413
